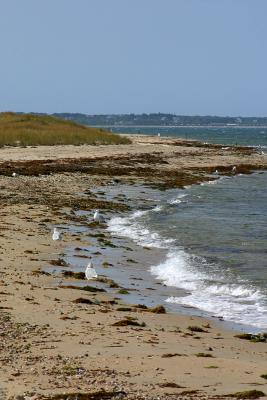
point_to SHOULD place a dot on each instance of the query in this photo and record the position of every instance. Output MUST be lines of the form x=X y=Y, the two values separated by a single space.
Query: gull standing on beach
x=90 y=272
x=234 y=169
x=98 y=217
x=57 y=235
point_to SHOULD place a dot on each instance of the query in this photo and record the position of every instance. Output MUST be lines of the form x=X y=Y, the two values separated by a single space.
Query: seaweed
x=196 y=329
x=169 y=355
x=99 y=395
x=128 y=322
x=108 y=281
x=170 y=385
x=189 y=392
x=75 y=275
x=86 y=288
x=59 y=262
x=141 y=306
x=248 y=394
x=261 y=337
x=157 y=310
x=123 y=291
x=40 y=272
x=82 y=300
x=204 y=355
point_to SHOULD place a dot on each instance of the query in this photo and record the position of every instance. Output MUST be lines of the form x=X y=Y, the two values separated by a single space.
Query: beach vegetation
x=45 y=130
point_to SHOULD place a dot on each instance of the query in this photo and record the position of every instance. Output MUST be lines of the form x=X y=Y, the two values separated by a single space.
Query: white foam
x=133 y=228
x=213 y=182
x=178 y=199
x=139 y=213
x=157 y=209
x=238 y=302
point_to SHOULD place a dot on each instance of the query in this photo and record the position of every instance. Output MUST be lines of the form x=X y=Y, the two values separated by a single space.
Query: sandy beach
x=57 y=340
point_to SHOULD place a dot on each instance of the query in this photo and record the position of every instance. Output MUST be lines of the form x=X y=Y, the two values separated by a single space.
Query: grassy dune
x=32 y=130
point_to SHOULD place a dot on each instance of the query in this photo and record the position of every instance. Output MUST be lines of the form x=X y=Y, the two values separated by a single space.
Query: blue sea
x=228 y=135
x=213 y=236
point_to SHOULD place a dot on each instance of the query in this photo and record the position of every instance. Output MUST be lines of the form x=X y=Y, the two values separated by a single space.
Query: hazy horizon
x=184 y=57
x=131 y=113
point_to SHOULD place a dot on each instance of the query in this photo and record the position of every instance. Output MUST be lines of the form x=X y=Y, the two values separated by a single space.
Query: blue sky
x=122 y=56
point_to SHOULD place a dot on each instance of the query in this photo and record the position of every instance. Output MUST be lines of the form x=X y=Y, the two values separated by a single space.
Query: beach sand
x=51 y=344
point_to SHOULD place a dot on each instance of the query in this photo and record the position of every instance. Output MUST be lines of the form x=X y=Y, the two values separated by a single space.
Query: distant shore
x=181 y=126
x=57 y=339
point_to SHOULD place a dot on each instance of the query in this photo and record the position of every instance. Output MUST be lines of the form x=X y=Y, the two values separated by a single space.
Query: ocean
x=213 y=237
x=227 y=135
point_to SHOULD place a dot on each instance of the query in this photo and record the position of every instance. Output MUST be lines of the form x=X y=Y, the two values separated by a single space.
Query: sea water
x=245 y=136
x=214 y=236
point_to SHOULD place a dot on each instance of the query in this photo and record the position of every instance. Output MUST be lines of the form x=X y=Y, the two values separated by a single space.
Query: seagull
x=14 y=174
x=90 y=272
x=98 y=217
x=57 y=235
x=216 y=172
x=158 y=134
x=234 y=169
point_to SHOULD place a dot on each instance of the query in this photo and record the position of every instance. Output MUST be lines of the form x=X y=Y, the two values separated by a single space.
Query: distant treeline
x=160 y=119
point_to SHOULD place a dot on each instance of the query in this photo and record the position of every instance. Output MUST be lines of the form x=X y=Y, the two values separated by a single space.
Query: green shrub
x=34 y=130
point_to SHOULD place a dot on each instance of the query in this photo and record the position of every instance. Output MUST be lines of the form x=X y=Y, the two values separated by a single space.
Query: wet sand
x=53 y=343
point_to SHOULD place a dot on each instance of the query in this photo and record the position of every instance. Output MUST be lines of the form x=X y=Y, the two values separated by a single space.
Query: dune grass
x=34 y=130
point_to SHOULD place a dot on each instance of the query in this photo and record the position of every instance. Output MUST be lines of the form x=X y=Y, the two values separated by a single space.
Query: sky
x=190 y=57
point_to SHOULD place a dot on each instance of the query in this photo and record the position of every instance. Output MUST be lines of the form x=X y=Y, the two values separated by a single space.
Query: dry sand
x=49 y=344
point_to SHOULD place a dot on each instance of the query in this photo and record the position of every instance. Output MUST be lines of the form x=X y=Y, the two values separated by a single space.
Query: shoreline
x=183 y=126
x=54 y=345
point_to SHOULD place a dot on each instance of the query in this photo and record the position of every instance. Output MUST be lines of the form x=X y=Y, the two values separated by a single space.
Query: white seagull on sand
x=14 y=174
x=234 y=169
x=90 y=272
x=57 y=235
